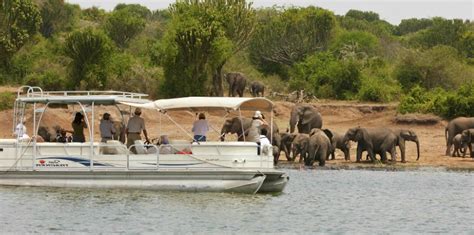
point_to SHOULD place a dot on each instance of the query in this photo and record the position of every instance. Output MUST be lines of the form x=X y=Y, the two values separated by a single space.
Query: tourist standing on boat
x=254 y=129
x=200 y=128
x=20 y=130
x=107 y=129
x=135 y=126
x=78 y=126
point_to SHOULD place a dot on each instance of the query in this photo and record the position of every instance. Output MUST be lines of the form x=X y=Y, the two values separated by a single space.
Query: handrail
x=35 y=91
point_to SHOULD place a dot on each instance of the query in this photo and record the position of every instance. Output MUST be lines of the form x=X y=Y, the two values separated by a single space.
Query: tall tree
x=56 y=16
x=89 y=51
x=289 y=36
x=124 y=24
x=19 y=21
x=202 y=35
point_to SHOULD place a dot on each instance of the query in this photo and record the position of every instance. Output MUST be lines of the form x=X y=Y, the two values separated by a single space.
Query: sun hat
x=257 y=114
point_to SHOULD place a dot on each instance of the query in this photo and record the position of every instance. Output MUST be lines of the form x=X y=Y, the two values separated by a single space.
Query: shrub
x=440 y=102
x=378 y=89
x=6 y=100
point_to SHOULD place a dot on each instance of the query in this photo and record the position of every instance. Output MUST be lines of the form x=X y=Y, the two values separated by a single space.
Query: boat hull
x=202 y=181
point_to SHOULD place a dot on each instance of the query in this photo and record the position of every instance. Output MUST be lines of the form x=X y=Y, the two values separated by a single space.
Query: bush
x=6 y=100
x=440 y=102
x=378 y=90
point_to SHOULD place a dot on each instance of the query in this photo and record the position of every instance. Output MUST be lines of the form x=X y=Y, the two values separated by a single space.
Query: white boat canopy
x=196 y=104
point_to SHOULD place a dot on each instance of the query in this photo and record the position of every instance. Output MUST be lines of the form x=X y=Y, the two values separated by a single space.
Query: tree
x=19 y=21
x=289 y=36
x=442 y=32
x=202 y=35
x=363 y=15
x=89 y=51
x=413 y=25
x=124 y=24
x=355 y=45
x=57 y=16
x=137 y=9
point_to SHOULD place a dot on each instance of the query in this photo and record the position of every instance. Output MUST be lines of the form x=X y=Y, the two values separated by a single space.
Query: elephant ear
x=359 y=134
x=328 y=134
x=307 y=116
x=313 y=131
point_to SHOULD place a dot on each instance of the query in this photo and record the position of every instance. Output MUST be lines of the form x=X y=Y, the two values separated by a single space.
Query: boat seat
x=114 y=147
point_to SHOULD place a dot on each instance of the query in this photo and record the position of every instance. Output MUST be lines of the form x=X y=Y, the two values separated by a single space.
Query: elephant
x=374 y=141
x=300 y=146
x=257 y=89
x=407 y=135
x=319 y=147
x=285 y=145
x=338 y=142
x=459 y=146
x=454 y=127
x=234 y=126
x=467 y=137
x=305 y=117
x=237 y=83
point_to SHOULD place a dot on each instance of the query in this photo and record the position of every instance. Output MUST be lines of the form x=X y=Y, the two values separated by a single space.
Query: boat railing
x=35 y=91
x=103 y=156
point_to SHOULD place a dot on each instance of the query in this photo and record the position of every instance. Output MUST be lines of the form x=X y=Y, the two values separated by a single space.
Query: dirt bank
x=337 y=116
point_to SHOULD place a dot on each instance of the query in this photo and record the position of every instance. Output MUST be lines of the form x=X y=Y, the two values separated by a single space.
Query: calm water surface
x=314 y=201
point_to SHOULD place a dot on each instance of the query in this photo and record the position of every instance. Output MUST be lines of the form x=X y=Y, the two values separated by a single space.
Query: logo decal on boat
x=51 y=163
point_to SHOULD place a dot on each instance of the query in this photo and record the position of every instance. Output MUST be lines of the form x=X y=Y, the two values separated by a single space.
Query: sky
x=389 y=10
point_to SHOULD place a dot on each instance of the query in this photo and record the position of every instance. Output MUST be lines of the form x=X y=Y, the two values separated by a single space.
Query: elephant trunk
x=417 y=149
x=293 y=121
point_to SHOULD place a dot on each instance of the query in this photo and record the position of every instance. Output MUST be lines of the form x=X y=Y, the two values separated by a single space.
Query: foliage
x=413 y=25
x=19 y=21
x=124 y=24
x=94 y=14
x=440 y=66
x=441 y=32
x=126 y=71
x=89 y=51
x=202 y=35
x=57 y=16
x=378 y=88
x=136 y=9
x=363 y=15
x=40 y=63
x=440 y=102
x=6 y=100
x=366 y=21
x=327 y=77
x=355 y=45
x=287 y=37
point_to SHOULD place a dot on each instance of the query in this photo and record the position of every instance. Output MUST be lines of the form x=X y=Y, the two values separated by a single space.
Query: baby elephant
x=459 y=146
x=467 y=137
x=338 y=142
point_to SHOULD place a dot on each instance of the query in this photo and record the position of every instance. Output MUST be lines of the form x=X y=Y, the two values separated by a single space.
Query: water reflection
x=314 y=201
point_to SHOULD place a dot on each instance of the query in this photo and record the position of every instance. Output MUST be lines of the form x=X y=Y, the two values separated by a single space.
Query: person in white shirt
x=263 y=141
x=200 y=128
x=20 y=130
x=253 y=133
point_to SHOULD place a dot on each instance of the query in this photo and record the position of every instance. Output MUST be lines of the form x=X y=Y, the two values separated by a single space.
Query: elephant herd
x=314 y=144
x=237 y=83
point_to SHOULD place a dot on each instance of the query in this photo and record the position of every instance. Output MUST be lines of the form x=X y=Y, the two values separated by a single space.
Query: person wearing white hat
x=135 y=126
x=20 y=130
x=253 y=134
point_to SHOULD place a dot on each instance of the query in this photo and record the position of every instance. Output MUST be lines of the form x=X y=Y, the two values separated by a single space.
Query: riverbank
x=337 y=116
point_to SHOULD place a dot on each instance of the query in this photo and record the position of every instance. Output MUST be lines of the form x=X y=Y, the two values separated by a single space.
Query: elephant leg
x=372 y=154
x=448 y=145
x=322 y=157
x=402 y=151
x=359 y=153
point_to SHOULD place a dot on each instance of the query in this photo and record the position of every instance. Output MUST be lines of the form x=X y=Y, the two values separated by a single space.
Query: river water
x=323 y=201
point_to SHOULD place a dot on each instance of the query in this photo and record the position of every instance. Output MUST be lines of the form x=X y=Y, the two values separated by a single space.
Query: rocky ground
x=337 y=116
